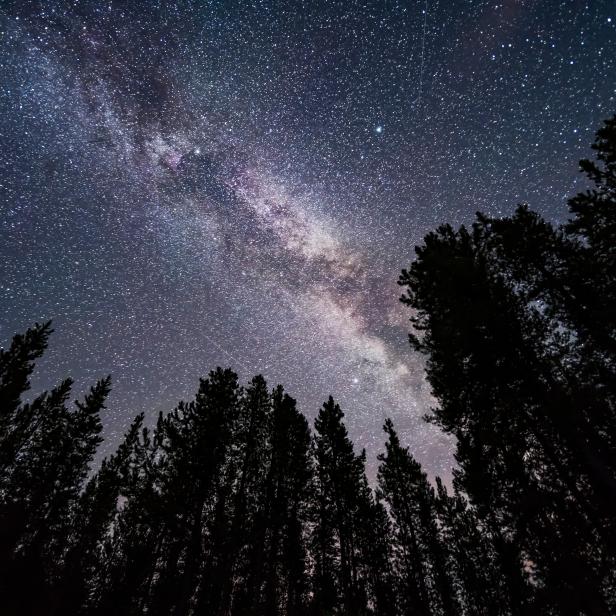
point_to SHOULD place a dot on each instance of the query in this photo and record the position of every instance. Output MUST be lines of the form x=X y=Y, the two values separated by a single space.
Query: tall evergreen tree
x=131 y=547
x=594 y=222
x=47 y=450
x=342 y=531
x=16 y=365
x=277 y=582
x=195 y=441
x=253 y=454
x=420 y=561
x=490 y=369
x=473 y=564
x=512 y=315
x=94 y=513
x=374 y=541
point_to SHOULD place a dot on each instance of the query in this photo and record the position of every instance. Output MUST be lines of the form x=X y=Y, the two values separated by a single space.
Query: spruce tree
x=474 y=566
x=342 y=500
x=420 y=558
x=94 y=513
x=515 y=317
x=253 y=454
x=194 y=441
x=47 y=450
x=16 y=365
x=277 y=583
x=131 y=548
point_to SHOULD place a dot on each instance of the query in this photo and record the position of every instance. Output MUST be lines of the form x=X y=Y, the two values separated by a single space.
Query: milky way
x=193 y=184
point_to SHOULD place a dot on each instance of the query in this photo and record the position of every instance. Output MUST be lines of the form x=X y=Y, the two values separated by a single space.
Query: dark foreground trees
x=518 y=321
x=230 y=506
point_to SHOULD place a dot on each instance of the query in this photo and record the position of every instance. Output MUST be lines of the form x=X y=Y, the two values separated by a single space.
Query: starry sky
x=192 y=184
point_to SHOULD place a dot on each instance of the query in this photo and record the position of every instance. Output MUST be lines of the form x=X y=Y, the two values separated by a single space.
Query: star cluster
x=190 y=184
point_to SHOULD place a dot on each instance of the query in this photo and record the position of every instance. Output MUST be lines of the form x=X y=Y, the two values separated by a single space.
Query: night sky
x=192 y=184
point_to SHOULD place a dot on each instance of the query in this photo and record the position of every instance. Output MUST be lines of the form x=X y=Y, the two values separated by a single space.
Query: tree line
x=232 y=505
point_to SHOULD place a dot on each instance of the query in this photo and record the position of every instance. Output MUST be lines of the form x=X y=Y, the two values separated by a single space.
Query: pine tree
x=566 y=412
x=341 y=566
x=278 y=572
x=129 y=552
x=94 y=513
x=594 y=222
x=47 y=450
x=16 y=366
x=486 y=364
x=253 y=454
x=420 y=558
x=515 y=317
x=474 y=566
x=375 y=546
x=194 y=440
x=17 y=421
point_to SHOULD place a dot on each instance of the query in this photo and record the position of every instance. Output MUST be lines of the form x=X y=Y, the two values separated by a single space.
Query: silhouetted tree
x=519 y=357
x=131 y=548
x=94 y=513
x=195 y=441
x=345 y=516
x=594 y=223
x=473 y=564
x=277 y=582
x=420 y=558
x=47 y=450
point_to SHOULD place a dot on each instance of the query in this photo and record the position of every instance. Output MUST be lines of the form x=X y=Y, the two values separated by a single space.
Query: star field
x=192 y=184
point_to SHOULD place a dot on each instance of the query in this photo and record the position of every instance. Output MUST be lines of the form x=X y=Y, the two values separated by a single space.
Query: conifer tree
x=194 y=441
x=486 y=352
x=277 y=583
x=47 y=450
x=94 y=513
x=513 y=317
x=252 y=451
x=594 y=222
x=420 y=558
x=375 y=545
x=16 y=365
x=130 y=550
x=341 y=571
x=474 y=566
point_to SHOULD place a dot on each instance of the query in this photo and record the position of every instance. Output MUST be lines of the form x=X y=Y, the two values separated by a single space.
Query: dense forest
x=232 y=504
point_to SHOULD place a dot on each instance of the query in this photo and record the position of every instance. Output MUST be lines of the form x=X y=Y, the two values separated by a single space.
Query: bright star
x=379 y=130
